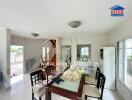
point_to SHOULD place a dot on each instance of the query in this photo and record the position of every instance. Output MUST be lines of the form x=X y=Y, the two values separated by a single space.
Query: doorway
x=16 y=63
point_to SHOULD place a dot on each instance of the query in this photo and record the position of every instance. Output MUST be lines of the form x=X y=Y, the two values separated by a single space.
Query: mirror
x=66 y=54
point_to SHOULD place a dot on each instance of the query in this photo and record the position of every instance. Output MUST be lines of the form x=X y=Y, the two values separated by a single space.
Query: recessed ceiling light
x=74 y=24
x=35 y=34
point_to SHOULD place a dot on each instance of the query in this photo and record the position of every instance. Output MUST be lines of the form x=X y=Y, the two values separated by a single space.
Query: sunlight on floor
x=16 y=79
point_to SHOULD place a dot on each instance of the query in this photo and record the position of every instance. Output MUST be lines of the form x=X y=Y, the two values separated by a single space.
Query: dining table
x=71 y=89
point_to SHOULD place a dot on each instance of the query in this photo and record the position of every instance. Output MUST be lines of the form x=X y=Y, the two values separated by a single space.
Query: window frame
x=81 y=46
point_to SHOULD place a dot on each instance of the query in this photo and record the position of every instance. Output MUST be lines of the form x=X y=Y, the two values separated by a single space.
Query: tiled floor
x=22 y=91
x=128 y=82
x=16 y=68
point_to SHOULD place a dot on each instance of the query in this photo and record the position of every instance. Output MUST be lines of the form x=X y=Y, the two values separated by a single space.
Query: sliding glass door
x=121 y=60
x=128 y=63
x=125 y=62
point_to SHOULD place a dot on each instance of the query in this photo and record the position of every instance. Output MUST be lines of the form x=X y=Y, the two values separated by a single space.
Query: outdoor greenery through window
x=125 y=62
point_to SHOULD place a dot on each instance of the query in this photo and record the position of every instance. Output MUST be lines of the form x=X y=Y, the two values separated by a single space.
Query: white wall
x=124 y=32
x=32 y=48
x=5 y=56
x=96 y=41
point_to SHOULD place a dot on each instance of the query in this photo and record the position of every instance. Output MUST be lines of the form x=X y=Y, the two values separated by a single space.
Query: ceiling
x=51 y=17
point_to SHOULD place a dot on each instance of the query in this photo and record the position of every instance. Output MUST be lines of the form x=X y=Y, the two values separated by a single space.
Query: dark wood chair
x=95 y=91
x=38 y=86
x=92 y=80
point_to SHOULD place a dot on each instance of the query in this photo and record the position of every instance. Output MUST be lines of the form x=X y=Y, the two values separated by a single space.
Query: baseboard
x=116 y=91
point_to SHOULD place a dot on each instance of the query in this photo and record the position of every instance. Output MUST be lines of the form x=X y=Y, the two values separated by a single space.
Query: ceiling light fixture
x=74 y=24
x=34 y=34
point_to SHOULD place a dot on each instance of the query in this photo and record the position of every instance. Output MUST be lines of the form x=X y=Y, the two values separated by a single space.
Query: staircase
x=50 y=57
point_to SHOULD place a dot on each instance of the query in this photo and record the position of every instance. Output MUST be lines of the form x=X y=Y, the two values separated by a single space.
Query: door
x=16 y=63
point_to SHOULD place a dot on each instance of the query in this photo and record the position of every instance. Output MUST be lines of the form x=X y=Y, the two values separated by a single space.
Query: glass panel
x=69 y=85
x=120 y=57
x=83 y=53
x=48 y=53
x=43 y=52
x=128 y=64
x=128 y=43
x=47 y=50
x=125 y=62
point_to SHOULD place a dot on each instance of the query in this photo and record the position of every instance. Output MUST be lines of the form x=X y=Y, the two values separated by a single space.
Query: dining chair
x=92 y=80
x=95 y=91
x=38 y=86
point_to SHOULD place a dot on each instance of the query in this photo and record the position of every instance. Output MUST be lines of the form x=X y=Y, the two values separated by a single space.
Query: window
x=128 y=63
x=45 y=51
x=83 y=52
x=120 y=48
x=125 y=62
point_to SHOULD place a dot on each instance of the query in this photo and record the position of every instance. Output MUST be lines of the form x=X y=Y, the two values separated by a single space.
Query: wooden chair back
x=37 y=77
x=97 y=73
x=101 y=83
